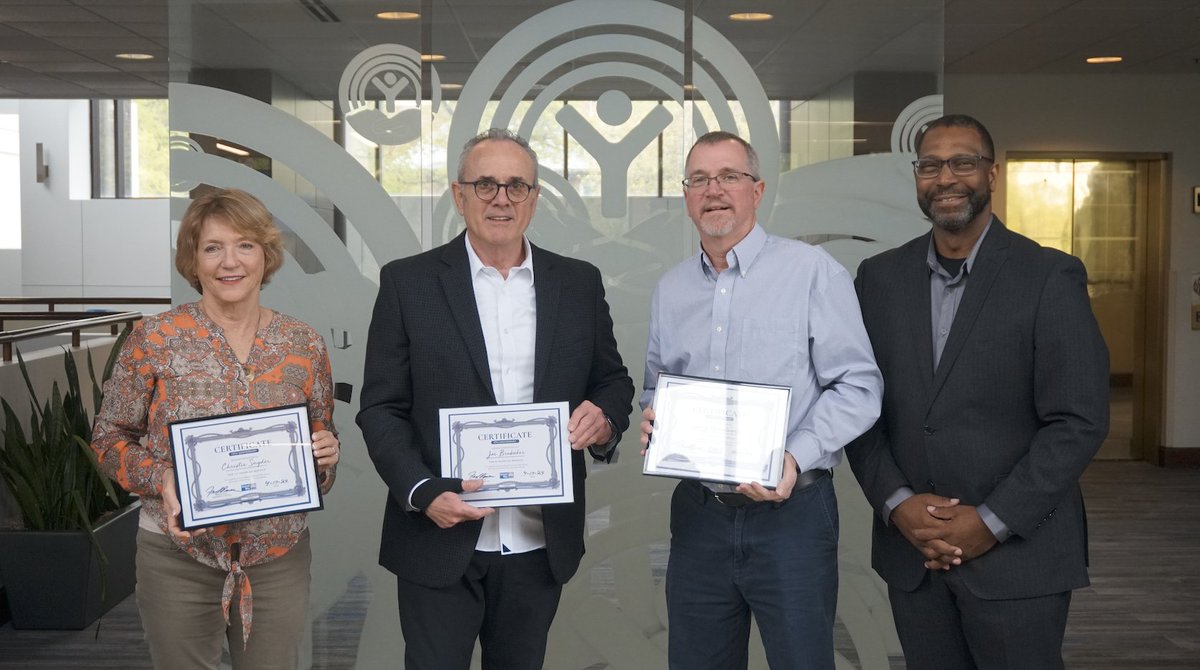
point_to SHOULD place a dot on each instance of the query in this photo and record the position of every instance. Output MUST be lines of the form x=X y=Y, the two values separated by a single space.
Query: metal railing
x=52 y=302
x=73 y=327
x=72 y=321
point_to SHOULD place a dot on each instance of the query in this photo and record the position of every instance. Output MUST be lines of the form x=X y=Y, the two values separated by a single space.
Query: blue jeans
x=775 y=560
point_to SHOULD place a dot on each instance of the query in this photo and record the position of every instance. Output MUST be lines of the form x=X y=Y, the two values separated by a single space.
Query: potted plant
x=74 y=557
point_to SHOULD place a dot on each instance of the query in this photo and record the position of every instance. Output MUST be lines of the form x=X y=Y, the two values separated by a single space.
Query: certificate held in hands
x=249 y=465
x=520 y=452
x=718 y=431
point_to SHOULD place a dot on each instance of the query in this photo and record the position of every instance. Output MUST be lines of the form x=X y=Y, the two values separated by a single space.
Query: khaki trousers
x=179 y=600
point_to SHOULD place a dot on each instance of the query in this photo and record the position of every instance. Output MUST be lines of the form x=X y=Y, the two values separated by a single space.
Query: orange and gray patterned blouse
x=178 y=365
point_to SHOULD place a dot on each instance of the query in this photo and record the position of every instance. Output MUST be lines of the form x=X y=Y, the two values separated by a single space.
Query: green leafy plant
x=51 y=471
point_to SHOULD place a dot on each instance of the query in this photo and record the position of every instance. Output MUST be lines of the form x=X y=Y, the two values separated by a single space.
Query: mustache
x=951 y=190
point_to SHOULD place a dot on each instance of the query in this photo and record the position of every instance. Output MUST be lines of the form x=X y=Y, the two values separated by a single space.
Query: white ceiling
x=66 y=48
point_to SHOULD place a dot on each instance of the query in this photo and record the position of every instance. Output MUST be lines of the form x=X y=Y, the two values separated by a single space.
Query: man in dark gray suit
x=995 y=401
x=466 y=325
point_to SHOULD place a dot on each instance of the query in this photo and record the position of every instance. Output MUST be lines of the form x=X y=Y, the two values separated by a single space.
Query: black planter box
x=53 y=579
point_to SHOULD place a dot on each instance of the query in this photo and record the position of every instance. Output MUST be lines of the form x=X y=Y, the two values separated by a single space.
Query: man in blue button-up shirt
x=758 y=308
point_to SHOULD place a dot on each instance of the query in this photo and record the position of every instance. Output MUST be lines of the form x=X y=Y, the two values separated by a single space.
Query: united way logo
x=380 y=93
x=911 y=120
x=519 y=83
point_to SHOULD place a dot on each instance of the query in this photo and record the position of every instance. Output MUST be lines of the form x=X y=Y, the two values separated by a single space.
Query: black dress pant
x=507 y=602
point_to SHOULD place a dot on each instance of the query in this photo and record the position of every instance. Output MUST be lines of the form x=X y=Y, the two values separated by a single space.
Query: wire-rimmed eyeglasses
x=724 y=180
x=960 y=166
x=487 y=189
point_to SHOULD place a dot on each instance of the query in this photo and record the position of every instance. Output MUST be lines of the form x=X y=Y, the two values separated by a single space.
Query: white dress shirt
x=508 y=316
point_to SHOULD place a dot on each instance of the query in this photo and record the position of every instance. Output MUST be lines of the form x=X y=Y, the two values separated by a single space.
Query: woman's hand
x=326 y=449
x=172 y=507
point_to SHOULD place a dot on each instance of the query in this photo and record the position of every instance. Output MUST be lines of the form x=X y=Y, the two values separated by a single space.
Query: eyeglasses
x=486 y=189
x=724 y=180
x=961 y=166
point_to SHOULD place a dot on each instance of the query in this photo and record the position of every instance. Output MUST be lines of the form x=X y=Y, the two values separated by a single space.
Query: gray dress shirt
x=945 y=294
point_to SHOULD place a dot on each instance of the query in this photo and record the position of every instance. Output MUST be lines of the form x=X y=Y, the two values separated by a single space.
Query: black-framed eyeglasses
x=487 y=189
x=724 y=180
x=961 y=166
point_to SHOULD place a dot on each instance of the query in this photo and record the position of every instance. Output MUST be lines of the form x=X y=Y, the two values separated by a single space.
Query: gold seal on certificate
x=249 y=465
x=718 y=431
x=520 y=452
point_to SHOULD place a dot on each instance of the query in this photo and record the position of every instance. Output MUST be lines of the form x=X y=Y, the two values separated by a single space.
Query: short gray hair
x=718 y=136
x=499 y=134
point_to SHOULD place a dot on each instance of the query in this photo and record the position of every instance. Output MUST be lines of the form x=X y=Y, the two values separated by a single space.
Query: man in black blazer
x=995 y=401
x=465 y=325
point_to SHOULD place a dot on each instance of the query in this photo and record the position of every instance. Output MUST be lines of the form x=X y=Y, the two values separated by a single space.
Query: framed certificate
x=521 y=453
x=249 y=465
x=718 y=431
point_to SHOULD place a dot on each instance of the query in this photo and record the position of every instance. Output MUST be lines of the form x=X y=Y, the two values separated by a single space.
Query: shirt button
x=717 y=368
x=719 y=329
x=722 y=291
x=929 y=430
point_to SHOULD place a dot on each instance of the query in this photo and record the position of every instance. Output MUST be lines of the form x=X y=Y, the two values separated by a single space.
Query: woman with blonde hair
x=222 y=354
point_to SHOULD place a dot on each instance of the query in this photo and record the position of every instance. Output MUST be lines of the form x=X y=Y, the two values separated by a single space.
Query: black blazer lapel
x=460 y=297
x=547 y=285
x=988 y=262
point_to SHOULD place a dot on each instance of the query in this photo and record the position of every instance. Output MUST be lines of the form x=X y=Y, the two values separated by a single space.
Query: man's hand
x=172 y=507
x=647 y=427
x=587 y=426
x=759 y=493
x=448 y=509
x=924 y=530
x=963 y=528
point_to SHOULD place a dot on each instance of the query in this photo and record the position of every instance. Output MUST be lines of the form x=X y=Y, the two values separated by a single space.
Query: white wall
x=82 y=246
x=10 y=272
x=1119 y=113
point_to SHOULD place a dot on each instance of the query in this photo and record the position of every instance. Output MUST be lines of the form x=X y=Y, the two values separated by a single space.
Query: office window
x=10 y=182
x=130 y=149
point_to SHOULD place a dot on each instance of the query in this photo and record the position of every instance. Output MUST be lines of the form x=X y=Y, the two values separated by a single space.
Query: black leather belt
x=803 y=481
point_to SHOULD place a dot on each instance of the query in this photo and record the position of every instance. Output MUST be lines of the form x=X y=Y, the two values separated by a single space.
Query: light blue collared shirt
x=785 y=313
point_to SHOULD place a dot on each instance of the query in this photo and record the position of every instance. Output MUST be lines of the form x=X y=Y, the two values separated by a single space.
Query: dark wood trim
x=1179 y=457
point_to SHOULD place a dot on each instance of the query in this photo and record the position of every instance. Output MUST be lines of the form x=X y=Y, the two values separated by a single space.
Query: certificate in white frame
x=716 y=430
x=243 y=466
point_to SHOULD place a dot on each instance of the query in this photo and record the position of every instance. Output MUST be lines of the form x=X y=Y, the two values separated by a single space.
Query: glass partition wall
x=347 y=118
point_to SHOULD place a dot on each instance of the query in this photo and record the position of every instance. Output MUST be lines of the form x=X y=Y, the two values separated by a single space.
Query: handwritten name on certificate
x=520 y=452
x=249 y=465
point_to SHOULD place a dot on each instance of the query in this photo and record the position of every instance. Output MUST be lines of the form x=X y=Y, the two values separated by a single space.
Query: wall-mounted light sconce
x=343 y=343
x=43 y=170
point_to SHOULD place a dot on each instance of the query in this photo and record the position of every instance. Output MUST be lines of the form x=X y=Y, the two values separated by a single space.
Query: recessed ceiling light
x=398 y=16
x=1105 y=59
x=432 y=58
x=233 y=150
x=135 y=56
x=751 y=16
x=451 y=87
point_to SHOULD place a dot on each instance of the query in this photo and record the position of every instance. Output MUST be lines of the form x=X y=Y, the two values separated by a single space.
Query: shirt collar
x=477 y=265
x=931 y=257
x=742 y=255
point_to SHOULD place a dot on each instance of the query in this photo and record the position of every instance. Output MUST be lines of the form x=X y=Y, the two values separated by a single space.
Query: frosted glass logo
x=910 y=121
x=380 y=93
x=519 y=82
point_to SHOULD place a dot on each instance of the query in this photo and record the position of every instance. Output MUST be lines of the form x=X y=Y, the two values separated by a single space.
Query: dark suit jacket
x=1016 y=410
x=426 y=351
